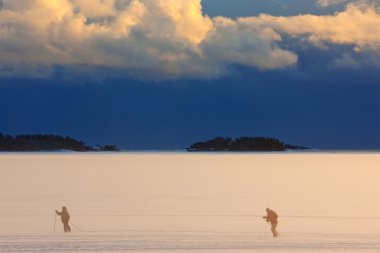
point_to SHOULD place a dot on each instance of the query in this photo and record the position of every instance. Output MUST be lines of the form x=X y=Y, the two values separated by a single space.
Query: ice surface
x=151 y=202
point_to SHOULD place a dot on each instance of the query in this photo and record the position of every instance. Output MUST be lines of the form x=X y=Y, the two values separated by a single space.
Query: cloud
x=356 y=25
x=345 y=62
x=241 y=43
x=326 y=3
x=163 y=39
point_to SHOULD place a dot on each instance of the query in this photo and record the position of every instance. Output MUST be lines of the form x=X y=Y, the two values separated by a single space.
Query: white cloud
x=250 y=45
x=326 y=3
x=356 y=25
x=162 y=39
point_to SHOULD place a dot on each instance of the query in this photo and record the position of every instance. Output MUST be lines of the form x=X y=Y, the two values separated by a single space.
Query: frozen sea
x=180 y=202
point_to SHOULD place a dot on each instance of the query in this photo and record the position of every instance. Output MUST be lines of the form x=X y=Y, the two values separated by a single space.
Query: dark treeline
x=45 y=142
x=242 y=144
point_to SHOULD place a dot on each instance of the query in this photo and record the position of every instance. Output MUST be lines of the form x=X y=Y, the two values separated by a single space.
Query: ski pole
x=55 y=221
x=76 y=227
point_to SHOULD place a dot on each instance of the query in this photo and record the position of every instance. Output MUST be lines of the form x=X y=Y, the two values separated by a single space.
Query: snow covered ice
x=179 y=202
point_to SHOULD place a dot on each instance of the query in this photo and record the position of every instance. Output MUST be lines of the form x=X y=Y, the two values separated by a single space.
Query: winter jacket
x=65 y=216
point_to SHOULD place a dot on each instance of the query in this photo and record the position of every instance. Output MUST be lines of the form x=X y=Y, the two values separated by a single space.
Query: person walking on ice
x=272 y=219
x=65 y=217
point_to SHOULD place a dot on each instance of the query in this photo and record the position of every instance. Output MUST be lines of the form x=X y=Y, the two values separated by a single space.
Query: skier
x=272 y=219
x=65 y=217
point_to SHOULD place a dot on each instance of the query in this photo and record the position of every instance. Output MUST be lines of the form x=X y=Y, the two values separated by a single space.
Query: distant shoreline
x=61 y=145
x=185 y=152
x=243 y=144
x=48 y=143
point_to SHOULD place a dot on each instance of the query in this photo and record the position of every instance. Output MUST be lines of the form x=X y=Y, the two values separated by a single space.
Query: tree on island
x=106 y=148
x=242 y=144
x=45 y=142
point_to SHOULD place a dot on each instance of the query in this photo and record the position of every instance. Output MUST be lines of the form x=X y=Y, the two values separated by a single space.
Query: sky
x=162 y=74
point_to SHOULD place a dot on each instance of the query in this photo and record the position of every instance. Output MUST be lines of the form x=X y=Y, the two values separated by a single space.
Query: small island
x=45 y=142
x=241 y=144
